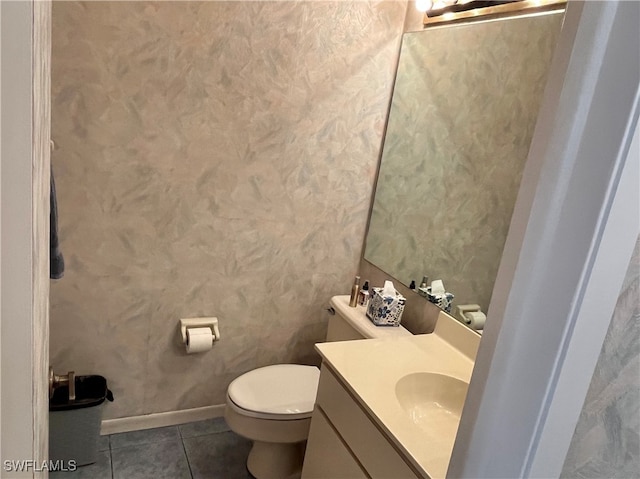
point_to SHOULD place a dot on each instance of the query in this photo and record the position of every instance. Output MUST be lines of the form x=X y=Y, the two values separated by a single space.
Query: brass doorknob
x=55 y=381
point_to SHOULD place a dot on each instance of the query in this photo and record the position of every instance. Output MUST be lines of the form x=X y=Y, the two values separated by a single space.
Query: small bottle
x=412 y=286
x=422 y=290
x=363 y=295
x=355 y=289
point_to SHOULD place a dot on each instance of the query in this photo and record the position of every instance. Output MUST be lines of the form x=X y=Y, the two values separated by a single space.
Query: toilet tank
x=352 y=323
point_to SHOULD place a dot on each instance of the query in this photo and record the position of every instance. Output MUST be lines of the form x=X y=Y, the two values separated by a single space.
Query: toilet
x=272 y=405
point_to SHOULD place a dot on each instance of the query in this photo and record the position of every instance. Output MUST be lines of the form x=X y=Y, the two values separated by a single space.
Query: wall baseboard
x=161 y=419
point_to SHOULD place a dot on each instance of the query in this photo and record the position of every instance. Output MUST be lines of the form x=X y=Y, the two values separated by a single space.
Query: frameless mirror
x=462 y=116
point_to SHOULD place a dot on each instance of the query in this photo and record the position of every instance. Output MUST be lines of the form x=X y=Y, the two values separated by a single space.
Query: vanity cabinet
x=344 y=442
x=329 y=457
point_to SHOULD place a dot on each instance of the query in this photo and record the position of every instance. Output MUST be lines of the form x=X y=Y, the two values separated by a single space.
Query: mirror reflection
x=461 y=120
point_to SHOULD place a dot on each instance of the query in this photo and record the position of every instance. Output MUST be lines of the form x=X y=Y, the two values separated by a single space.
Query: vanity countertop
x=370 y=369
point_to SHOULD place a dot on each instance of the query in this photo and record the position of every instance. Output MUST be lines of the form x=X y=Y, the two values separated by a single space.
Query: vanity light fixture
x=460 y=10
x=423 y=5
x=441 y=7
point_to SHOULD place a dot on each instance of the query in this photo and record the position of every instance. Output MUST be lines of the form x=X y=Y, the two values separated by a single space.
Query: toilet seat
x=277 y=392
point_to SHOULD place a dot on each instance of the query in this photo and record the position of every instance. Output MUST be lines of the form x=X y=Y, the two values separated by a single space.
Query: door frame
x=25 y=46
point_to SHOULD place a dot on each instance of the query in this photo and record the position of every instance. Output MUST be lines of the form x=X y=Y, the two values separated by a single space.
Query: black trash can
x=74 y=426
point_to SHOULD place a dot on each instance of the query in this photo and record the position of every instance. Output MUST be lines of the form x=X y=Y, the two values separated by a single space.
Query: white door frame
x=568 y=249
x=24 y=226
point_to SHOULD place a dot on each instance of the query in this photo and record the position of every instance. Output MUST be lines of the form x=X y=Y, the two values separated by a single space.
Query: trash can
x=74 y=425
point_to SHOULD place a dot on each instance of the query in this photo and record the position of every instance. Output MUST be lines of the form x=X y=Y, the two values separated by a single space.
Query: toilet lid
x=278 y=389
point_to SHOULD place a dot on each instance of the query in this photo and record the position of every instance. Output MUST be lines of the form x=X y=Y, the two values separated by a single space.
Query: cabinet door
x=364 y=439
x=327 y=457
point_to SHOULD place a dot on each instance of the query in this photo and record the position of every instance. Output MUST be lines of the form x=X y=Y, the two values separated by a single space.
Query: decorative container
x=385 y=310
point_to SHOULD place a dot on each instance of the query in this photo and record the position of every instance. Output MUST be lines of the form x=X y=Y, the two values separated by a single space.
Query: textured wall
x=606 y=442
x=212 y=158
x=464 y=108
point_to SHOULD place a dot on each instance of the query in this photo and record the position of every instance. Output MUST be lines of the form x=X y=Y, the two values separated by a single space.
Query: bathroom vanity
x=390 y=408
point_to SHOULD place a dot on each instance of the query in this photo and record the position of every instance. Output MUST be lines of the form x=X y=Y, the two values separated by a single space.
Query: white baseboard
x=161 y=419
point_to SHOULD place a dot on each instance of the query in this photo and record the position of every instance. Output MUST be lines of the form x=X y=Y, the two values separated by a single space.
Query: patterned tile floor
x=197 y=450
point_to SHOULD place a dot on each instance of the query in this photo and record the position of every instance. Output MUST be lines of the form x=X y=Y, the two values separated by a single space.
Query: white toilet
x=272 y=405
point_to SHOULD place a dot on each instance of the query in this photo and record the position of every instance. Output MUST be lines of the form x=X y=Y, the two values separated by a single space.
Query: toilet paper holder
x=463 y=309
x=471 y=315
x=211 y=323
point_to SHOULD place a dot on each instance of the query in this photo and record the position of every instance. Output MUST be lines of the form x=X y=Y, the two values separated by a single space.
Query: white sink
x=432 y=399
x=414 y=387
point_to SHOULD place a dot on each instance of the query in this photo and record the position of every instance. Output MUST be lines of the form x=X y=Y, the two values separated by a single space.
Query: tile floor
x=197 y=450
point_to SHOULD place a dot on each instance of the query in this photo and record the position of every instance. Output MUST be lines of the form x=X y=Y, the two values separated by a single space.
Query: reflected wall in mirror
x=462 y=116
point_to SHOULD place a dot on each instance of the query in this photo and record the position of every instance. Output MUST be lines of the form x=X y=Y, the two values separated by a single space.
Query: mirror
x=462 y=116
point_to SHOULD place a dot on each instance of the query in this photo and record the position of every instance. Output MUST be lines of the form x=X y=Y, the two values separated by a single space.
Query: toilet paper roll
x=199 y=340
x=475 y=320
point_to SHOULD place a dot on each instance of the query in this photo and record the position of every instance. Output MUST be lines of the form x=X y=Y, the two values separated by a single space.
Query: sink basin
x=431 y=399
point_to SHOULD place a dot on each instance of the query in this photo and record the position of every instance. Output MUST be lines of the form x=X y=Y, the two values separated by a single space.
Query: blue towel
x=56 y=260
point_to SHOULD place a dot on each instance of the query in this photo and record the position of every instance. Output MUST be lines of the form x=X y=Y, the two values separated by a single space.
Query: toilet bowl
x=272 y=405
